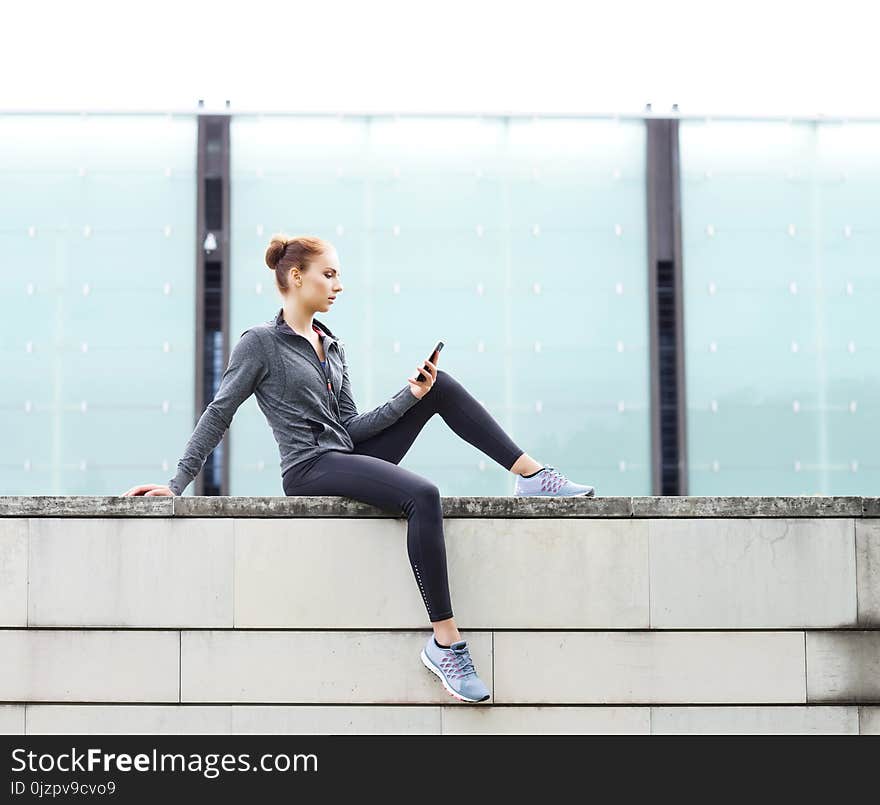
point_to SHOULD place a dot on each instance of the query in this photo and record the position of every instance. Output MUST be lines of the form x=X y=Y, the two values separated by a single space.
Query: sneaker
x=549 y=482
x=456 y=671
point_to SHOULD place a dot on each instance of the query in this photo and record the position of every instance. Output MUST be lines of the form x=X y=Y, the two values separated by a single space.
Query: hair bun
x=275 y=250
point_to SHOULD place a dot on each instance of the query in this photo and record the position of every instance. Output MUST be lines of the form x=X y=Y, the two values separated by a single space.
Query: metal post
x=212 y=285
x=666 y=310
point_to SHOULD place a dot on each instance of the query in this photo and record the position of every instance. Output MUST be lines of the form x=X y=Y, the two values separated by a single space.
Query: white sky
x=542 y=56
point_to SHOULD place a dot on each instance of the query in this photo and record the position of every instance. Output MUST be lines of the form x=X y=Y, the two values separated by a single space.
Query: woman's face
x=321 y=282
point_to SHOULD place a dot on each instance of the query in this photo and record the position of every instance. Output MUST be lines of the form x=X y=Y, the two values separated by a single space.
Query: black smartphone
x=434 y=355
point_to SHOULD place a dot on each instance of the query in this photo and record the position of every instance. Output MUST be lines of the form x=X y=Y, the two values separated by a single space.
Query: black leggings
x=370 y=474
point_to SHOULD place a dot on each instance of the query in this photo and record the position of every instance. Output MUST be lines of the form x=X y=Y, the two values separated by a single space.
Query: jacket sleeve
x=248 y=366
x=362 y=426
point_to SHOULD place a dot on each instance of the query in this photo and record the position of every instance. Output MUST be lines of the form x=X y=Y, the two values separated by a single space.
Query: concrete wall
x=633 y=615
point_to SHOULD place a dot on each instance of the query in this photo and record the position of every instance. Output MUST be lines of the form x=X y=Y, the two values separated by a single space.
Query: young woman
x=298 y=371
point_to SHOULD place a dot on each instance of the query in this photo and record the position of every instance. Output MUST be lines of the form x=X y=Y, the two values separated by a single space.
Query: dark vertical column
x=212 y=285
x=666 y=310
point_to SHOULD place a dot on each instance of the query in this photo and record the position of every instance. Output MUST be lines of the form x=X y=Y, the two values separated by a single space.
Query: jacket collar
x=322 y=328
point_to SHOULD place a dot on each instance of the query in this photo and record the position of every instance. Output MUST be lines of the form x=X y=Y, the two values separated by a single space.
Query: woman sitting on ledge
x=298 y=371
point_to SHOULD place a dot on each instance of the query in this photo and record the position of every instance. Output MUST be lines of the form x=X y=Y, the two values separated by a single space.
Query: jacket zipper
x=333 y=399
x=324 y=376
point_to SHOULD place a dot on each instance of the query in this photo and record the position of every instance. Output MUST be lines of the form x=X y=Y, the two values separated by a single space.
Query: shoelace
x=554 y=472
x=552 y=479
x=463 y=661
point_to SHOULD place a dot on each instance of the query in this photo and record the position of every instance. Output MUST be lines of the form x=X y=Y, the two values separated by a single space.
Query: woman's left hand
x=420 y=388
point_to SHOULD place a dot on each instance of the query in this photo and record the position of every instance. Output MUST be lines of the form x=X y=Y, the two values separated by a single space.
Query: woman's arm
x=248 y=365
x=362 y=426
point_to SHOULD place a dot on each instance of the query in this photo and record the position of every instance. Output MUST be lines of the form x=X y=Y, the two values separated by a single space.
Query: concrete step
x=123 y=719
x=358 y=667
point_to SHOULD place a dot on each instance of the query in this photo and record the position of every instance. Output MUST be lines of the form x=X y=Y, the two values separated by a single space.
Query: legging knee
x=427 y=549
x=445 y=386
x=425 y=500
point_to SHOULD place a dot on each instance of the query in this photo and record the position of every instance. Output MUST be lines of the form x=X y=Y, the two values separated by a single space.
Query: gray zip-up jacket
x=309 y=412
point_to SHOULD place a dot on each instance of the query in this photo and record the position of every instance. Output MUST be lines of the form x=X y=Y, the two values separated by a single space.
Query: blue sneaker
x=456 y=671
x=549 y=482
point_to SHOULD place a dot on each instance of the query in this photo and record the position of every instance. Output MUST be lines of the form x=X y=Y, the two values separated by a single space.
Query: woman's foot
x=549 y=482
x=456 y=670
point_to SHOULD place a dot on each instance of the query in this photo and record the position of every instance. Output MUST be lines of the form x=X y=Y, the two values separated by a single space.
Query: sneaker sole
x=579 y=495
x=435 y=670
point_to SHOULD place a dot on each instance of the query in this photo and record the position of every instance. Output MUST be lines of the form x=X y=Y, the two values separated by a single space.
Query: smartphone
x=434 y=355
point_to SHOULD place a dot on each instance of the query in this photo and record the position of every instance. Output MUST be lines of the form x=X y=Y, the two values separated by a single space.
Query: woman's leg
x=461 y=411
x=396 y=489
x=472 y=422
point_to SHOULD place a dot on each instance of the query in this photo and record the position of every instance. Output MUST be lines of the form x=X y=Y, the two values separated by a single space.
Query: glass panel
x=519 y=243
x=781 y=287
x=97 y=283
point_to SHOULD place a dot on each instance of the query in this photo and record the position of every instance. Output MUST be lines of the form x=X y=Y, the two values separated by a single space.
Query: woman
x=298 y=371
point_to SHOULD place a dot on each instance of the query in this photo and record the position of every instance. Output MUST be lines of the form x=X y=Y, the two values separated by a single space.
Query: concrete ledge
x=95 y=719
x=504 y=573
x=332 y=506
x=301 y=615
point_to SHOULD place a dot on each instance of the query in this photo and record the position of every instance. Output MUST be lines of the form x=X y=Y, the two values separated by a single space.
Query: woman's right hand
x=148 y=490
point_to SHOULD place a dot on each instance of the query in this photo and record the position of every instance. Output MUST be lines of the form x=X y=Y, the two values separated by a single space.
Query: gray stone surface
x=314 y=667
x=84 y=506
x=453 y=719
x=546 y=574
x=503 y=573
x=868 y=565
x=127 y=719
x=325 y=574
x=765 y=720
x=120 y=719
x=131 y=573
x=333 y=506
x=349 y=720
x=843 y=666
x=869 y=720
x=752 y=573
x=453 y=506
x=72 y=665
x=13 y=571
x=649 y=667
x=280 y=507
x=744 y=506
x=571 y=720
x=12 y=719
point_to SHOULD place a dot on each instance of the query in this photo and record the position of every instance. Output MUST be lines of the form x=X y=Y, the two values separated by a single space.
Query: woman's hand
x=420 y=388
x=148 y=490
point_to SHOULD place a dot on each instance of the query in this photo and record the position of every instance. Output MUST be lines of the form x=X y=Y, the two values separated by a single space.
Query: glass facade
x=521 y=244
x=97 y=226
x=781 y=286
